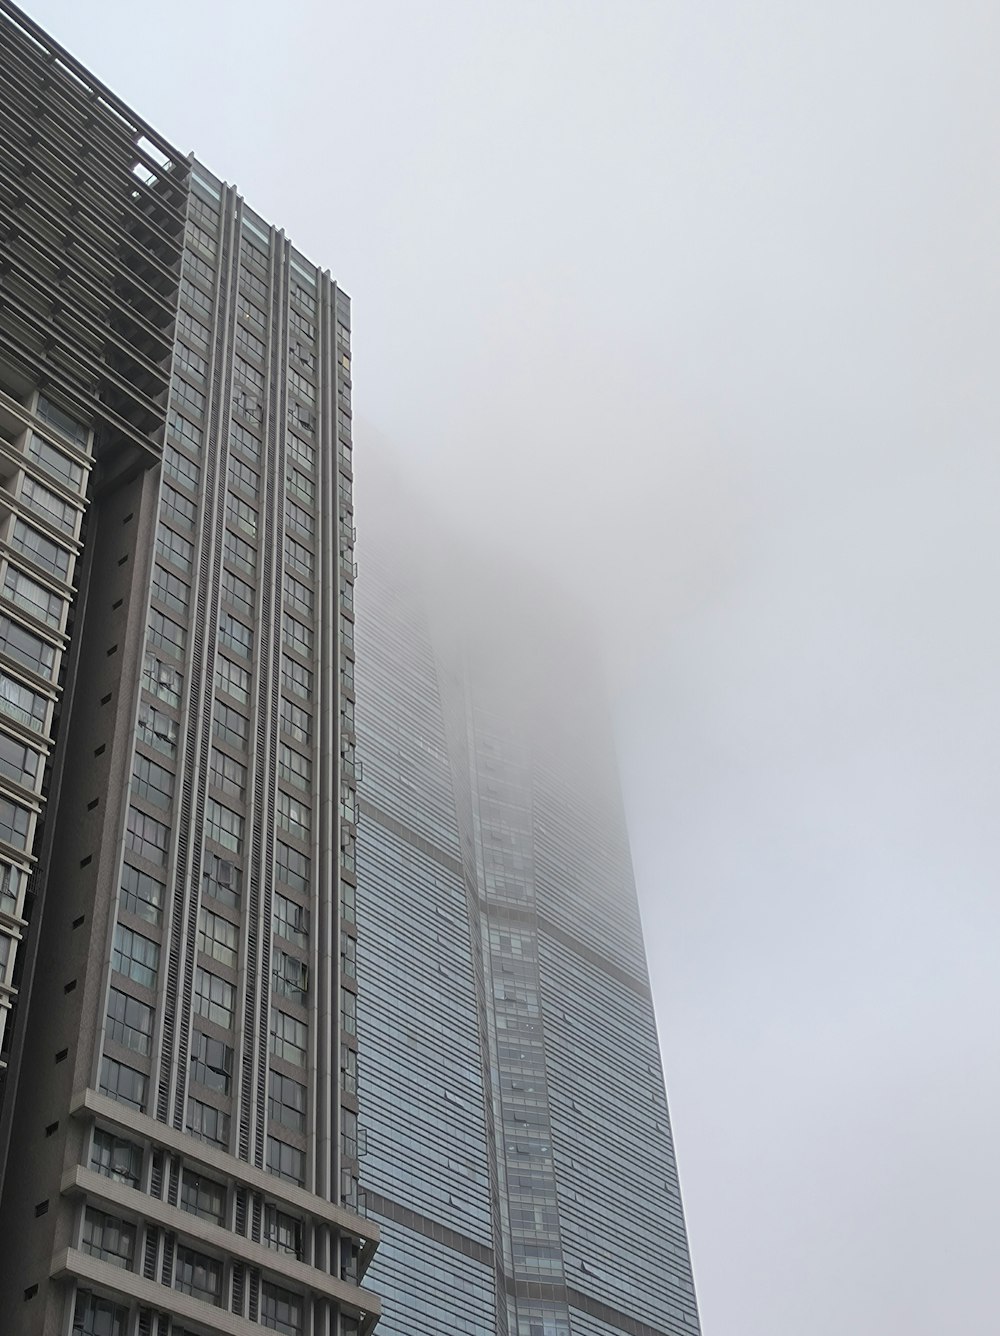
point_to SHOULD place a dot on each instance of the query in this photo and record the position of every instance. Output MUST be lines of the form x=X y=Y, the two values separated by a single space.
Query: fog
x=694 y=310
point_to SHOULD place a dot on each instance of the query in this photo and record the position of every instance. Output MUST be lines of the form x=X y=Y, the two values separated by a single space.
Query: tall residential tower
x=178 y=1131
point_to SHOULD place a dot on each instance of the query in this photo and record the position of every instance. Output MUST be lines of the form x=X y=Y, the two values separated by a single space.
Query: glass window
x=214 y=998
x=20 y=703
x=222 y=880
x=294 y=815
x=172 y=547
x=193 y=364
x=57 y=417
x=192 y=399
x=53 y=461
x=230 y=726
x=211 y=1062
x=129 y=1022
x=287 y=1102
x=152 y=781
x=232 y=679
x=108 y=1237
x=162 y=680
x=168 y=634
x=187 y=323
x=123 y=1083
x=289 y=977
x=41 y=550
x=296 y=635
x=14 y=823
x=243 y=439
x=26 y=648
x=135 y=956
x=156 y=728
x=241 y=515
x=94 y=1316
x=202 y=1196
x=142 y=894
x=298 y=595
x=179 y=509
x=299 y=521
x=298 y=557
x=296 y=722
x=18 y=761
x=171 y=589
x=236 y=634
x=147 y=837
x=33 y=597
x=291 y=920
x=243 y=476
x=241 y=554
x=293 y=767
x=282 y=1232
x=237 y=592
x=194 y=296
x=184 y=431
x=289 y=1037
x=207 y=1122
x=228 y=775
x=224 y=826
x=217 y=937
x=301 y=486
x=198 y=1275
x=286 y=1161
x=116 y=1158
x=58 y=512
x=292 y=868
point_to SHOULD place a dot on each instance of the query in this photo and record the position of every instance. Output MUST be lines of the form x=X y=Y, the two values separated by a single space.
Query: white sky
x=699 y=304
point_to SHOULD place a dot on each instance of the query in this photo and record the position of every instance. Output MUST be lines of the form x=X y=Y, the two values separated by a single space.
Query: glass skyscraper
x=518 y=1153
x=178 y=1132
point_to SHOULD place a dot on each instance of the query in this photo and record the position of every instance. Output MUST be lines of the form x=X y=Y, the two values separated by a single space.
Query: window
x=299 y=322
x=232 y=679
x=242 y=475
x=241 y=515
x=250 y=283
x=198 y=1275
x=237 y=592
x=162 y=680
x=348 y=956
x=168 y=634
x=123 y=1083
x=348 y=1011
x=26 y=648
x=298 y=595
x=61 y=420
x=291 y=920
x=20 y=703
x=94 y=1316
x=33 y=597
x=147 y=837
x=223 y=825
x=302 y=387
x=298 y=557
x=142 y=894
x=349 y=1069
x=287 y=1102
x=191 y=363
x=251 y=312
x=184 y=431
x=250 y=343
x=135 y=956
x=172 y=547
x=191 y=398
x=346 y=632
x=108 y=1237
x=222 y=880
x=201 y=1196
x=53 y=461
x=301 y=486
x=41 y=550
x=152 y=782
x=282 y=1232
x=286 y=1161
x=14 y=823
x=236 y=634
x=292 y=868
x=51 y=507
x=18 y=762
x=299 y=521
x=296 y=635
x=289 y=1037
x=228 y=774
x=116 y=1158
x=296 y=722
x=289 y=977
x=200 y=238
x=177 y=507
x=243 y=438
x=217 y=937
x=129 y=1022
x=293 y=815
x=211 y=1062
x=230 y=726
x=171 y=589
x=187 y=323
x=213 y=998
x=280 y=1309
x=180 y=468
x=240 y=554
x=194 y=264
x=157 y=729
x=348 y=1134
x=247 y=373
x=293 y=767
x=208 y=1122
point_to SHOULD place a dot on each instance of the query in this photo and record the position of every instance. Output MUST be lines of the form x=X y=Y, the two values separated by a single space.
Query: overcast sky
x=699 y=304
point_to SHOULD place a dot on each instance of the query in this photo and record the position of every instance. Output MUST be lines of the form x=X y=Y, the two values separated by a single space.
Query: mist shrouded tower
x=517 y=1149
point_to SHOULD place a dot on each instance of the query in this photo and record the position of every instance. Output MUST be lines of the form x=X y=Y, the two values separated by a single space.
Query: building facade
x=517 y=1153
x=178 y=1129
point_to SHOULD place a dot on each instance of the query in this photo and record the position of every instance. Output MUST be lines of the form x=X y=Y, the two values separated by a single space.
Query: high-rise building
x=518 y=1152
x=178 y=1131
